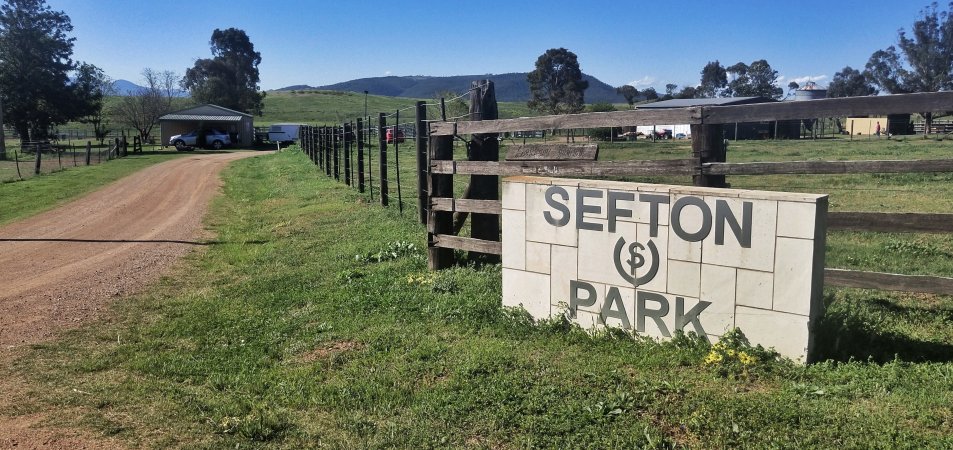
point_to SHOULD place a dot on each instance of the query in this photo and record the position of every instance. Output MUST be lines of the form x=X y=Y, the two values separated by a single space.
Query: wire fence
x=26 y=159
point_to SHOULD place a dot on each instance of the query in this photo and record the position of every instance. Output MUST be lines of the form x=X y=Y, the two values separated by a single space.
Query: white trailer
x=284 y=132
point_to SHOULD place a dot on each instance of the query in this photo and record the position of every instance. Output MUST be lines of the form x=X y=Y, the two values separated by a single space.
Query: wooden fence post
x=352 y=138
x=370 y=159
x=423 y=202
x=382 y=159
x=360 y=155
x=335 y=146
x=483 y=147
x=708 y=145
x=440 y=222
x=346 y=135
x=89 y=151
x=39 y=156
x=322 y=150
x=328 y=157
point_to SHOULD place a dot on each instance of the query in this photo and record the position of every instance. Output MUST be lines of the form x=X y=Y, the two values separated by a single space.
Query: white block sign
x=658 y=258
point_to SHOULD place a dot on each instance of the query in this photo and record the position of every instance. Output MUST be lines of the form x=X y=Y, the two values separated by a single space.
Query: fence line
x=439 y=209
x=31 y=158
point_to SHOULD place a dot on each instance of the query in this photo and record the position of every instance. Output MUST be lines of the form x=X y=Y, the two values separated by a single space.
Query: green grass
x=24 y=198
x=333 y=107
x=305 y=325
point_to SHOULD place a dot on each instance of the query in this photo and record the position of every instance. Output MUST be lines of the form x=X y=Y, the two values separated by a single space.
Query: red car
x=390 y=136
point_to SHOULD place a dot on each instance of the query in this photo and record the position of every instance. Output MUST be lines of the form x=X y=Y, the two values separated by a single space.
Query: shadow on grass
x=859 y=332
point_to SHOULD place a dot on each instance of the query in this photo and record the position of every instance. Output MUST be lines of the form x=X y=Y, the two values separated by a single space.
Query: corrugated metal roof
x=688 y=102
x=206 y=112
x=199 y=117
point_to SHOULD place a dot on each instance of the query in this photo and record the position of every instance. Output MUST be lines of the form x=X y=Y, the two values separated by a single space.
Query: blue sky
x=645 y=43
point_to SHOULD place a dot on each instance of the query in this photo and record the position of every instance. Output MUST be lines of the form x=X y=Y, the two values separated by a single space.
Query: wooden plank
x=675 y=167
x=888 y=281
x=567 y=121
x=833 y=107
x=890 y=222
x=467 y=244
x=466 y=205
x=553 y=152
x=829 y=167
x=878 y=105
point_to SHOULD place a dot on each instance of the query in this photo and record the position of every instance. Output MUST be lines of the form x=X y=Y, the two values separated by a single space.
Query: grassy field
x=313 y=322
x=332 y=107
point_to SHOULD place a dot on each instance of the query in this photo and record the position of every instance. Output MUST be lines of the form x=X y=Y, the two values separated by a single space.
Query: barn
x=238 y=125
x=785 y=129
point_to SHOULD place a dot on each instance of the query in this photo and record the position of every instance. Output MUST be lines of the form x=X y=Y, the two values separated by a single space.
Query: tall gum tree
x=922 y=61
x=230 y=78
x=556 y=85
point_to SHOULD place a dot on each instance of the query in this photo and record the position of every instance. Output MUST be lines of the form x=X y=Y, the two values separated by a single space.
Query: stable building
x=782 y=129
x=239 y=126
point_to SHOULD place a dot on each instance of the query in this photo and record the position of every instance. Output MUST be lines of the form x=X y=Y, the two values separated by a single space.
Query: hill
x=334 y=107
x=126 y=87
x=510 y=87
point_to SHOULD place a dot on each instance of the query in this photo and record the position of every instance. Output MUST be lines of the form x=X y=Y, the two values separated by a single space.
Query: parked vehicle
x=390 y=136
x=284 y=132
x=213 y=138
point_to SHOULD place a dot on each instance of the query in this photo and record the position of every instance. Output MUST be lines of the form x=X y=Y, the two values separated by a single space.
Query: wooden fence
x=333 y=149
x=707 y=166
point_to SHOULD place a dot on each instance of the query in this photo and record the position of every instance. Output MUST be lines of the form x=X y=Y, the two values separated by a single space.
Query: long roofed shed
x=240 y=126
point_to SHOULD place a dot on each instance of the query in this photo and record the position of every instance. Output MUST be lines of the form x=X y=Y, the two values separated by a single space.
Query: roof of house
x=206 y=112
x=720 y=101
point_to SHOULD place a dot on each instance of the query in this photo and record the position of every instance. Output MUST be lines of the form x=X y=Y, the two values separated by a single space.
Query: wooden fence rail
x=326 y=146
x=708 y=167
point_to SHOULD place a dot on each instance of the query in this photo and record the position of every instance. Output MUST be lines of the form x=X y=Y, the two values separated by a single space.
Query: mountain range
x=126 y=87
x=510 y=87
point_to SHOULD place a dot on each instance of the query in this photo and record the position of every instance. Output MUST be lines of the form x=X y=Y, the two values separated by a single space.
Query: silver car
x=213 y=138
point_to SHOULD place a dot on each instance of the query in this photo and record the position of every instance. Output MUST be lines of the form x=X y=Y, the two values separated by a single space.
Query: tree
x=629 y=92
x=556 y=85
x=35 y=68
x=850 y=82
x=924 y=61
x=142 y=109
x=602 y=107
x=714 y=80
x=687 y=92
x=230 y=78
x=96 y=86
x=756 y=80
x=670 y=90
x=650 y=93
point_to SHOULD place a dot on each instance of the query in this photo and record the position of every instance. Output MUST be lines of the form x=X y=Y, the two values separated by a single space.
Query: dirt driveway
x=61 y=268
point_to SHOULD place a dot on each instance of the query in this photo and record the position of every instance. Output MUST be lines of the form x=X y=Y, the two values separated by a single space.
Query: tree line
x=41 y=86
x=922 y=61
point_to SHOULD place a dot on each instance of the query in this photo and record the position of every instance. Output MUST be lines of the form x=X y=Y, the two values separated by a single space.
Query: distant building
x=238 y=125
x=894 y=124
x=786 y=129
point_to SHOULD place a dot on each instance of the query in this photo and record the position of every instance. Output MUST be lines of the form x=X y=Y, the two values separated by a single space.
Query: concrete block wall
x=656 y=258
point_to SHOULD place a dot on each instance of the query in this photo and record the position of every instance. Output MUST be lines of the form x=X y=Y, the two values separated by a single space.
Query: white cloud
x=387 y=73
x=644 y=82
x=783 y=81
